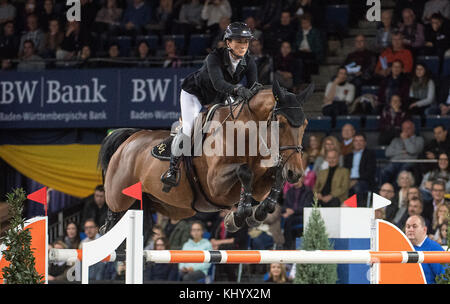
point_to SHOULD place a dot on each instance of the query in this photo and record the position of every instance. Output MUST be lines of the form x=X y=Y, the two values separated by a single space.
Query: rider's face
x=239 y=46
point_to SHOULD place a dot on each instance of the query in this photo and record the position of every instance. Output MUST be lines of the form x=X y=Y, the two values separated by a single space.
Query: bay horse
x=210 y=183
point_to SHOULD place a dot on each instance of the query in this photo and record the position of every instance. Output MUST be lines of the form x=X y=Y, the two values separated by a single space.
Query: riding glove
x=243 y=92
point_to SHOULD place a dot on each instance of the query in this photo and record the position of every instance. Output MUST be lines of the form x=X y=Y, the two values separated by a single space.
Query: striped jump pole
x=272 y=256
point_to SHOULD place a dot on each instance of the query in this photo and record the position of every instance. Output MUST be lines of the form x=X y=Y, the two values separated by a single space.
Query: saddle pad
x=162 y=150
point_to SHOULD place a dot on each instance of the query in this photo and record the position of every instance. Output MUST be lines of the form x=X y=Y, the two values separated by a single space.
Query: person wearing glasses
x=387 y=191
x=96 y=271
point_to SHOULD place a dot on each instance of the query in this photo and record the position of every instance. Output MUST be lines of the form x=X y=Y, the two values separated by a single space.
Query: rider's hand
x=244 y=92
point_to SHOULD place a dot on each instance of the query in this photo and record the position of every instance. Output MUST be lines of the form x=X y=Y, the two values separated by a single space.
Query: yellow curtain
x=71 y=169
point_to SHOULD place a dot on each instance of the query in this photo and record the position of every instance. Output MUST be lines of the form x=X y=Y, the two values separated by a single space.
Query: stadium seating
x=198 y=44
x=152 y=41
x=248 y=11
x=372 y=123
x=337 y=17
x=319 y=123
x=124 y=43
x=446 y=67
x=353 y=120
x=432 y=120
x=179 y=40
x=369 y=90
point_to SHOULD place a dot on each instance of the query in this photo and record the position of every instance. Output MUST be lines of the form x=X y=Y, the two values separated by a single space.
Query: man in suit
x=362 y=165
x=332 y=184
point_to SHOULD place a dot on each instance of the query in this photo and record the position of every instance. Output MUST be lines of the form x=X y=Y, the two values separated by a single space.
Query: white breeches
x=190 y=108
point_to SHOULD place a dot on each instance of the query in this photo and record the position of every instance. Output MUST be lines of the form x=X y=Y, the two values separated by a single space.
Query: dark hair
x=437 y=16
x=76 y=241
x=165 y=241
x=416 y=198
x=29 y=41
x=438 y=182
x=398 y=60
x=99 y=187
x=440 y=125
x=199 y=223
x=426 y=76
x=90 y=220
x=361 y=134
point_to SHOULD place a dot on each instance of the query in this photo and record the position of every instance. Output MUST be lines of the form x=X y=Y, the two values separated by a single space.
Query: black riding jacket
x=215 y=80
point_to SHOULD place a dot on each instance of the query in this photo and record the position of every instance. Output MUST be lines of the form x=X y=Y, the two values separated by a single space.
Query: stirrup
x=171 y=178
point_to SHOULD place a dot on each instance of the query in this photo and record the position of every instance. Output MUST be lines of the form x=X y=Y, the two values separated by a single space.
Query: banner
x=98 y=98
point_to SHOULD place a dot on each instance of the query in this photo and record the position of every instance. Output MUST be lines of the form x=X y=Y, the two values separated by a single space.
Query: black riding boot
x=171 y=177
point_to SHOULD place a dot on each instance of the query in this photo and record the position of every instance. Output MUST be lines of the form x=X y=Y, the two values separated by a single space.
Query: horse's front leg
x=269 y=203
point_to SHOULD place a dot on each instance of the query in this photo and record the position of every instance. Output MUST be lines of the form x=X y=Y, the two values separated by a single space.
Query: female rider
x=218 y=78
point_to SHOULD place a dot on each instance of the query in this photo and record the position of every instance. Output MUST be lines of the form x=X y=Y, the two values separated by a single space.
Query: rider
x=218 y=78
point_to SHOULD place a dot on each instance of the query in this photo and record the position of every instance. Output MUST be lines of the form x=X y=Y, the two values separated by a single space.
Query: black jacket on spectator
x=91 y=211
x=297 y=199
x=444 y=90
x=438 y=147
x=390 y=86
x=9 y=46
x=440 y=39
x=74 y=43
x=367 y=166
x=215 y=80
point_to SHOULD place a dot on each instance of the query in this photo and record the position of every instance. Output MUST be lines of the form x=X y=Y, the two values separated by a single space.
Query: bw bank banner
x=104 y=98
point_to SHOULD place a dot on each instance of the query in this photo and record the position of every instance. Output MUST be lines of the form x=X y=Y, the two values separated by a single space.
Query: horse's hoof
x=252 y=221
x=270 y=207
x=260 y=214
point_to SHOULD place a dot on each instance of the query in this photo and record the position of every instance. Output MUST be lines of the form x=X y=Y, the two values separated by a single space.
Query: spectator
x=171 y=59
x=29 y=61
x=439 y=144
x=384 y=32
x=438 y=194
x=268 y=235
x=339 y=93
x=315 y=8
x=332 y=184
x=296 y=198
x=391 y=120
x=135 y=18
x=427 y=212
x=217 y=37
x=74 y=40
x=89 y=11
x=251 y=23
x=328 y=143
x=85 y=57
x=53 y=38
x=6 y=65
x=161 y=271
x=362 y=59
x=387 y=191
x=406 y=146
x=395 y=83
x=72 y=238
x=143 y=54
x=7 y=12
x=163 y=18
x=416 y=6
x=442 y=171
x=269 y=13
x=442 y=107
x=179 y=233
x=213 y=11
x=309 y=47
x=113 y=59
x=405 y=181
x=95 y=206
x=29 y=8
x=421 y=91
x=277 y=274
x=283 y=30
x=441 y=234
x=96 y=271
x=347 y=133
x=414 y=207
x=437 y=37
x=416 y=232
x=362 y=165
x=440 y=217
x=288 y=70
x=157 y=232
x=108 y=17
x=47 y=14
x=9 y=42
x=432 y=7
x=394 y=53
x=34 y=34
x=263 y=62
x=313 y=149
x=57 y=271
x=195 y=271
x=413 y=32
x=188 y=19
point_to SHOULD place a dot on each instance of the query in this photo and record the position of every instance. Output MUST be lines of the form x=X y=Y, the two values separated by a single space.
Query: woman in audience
x=441 y=172
x=163 y=271
x=440 y=216
x=339 y=93
x=143 y=54
x=53 y=38
x=57 y=270
x=328 y=143
x=72 y=238
x=277 y=273
x=391 y=121
x=108 y=17
x=405 y=180
x=421 y=91
x=441 y=234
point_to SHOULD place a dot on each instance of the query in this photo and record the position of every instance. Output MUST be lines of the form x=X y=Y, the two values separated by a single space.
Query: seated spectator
x=35 y=34
x=95 y=207
x=162 y=20
x=189 y=16
x=432 y=7
x=384 y=31
x=96 y=271
x=213 y=11
x=178 y=232
x=438 y=194
x=313 y=7
x=328 y=143
x=396 y=210
x=416 y=232
x=135 y=18
x=288 y=70
x=108 y=17
x=441 y=234
x=413 y=207
x=332 y=184
x=7 y=12
x=113 y=59
x=263 y=62
x=143 y=54
x=268 y=14
x=217 y=37
x=364 y=59
x=74 y=40
x=7 y=65
x=392 y=54
x=251 y=23
x=29 y=8
x=362 y=165
x=347 y=134
x=406 y=146
x=171 y=59
x=437 y=37
x=157 y=232
x=415 y=5
x=427 y=212
x=85 y=56
x=9 y=42
x=161 y=271
x=195 y=271
x=47 y=14
x=72 y=236
x=442 y=171
x=313 y=149
x=57 y=271
x=421 y=91
x=283 y=30
x=439 y=144
x=339 y=93
x=442 y=106
x=396 y=83
x=53 y=38
x=391 y=120
x=296 y=198
x=440 y=217
x=268 y=235
x=277 y=273
x=413 y=32
x=387 y=191
x=29 y=61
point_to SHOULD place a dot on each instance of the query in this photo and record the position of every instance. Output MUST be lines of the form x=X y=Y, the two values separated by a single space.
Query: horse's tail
x=110 y=144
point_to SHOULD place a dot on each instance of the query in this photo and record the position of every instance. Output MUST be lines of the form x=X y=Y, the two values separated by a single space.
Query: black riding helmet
x=237 y=30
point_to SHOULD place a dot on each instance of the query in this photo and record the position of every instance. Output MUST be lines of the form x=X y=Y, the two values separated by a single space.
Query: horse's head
x=288 y=111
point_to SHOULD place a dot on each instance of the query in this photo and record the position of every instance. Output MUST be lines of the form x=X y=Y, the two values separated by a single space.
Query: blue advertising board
x=99 y=98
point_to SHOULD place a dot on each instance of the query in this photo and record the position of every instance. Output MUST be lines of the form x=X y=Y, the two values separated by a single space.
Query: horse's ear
x=277 y=91
x=304 y=95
